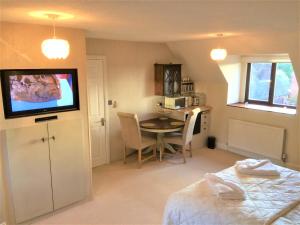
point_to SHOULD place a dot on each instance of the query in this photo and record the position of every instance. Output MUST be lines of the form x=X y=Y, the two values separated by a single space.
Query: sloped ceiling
x=195 y=54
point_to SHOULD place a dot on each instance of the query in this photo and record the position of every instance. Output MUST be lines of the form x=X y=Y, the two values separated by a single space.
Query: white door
x=67 y=162
x=96 y=94
x=29 y=168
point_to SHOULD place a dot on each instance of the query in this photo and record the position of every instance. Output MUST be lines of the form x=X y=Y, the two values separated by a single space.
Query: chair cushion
x=178 y=140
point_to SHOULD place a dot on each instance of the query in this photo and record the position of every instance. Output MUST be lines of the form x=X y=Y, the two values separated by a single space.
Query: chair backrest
x=130 y=130
x=189 y=126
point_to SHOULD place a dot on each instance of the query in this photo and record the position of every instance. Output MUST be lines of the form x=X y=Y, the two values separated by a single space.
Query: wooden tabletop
x=162 y=123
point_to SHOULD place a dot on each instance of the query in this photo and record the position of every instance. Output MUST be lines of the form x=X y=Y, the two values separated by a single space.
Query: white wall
x=20 y=49
x=130 y=80
x=209 y=79
x=2 y=200
x=231 y=69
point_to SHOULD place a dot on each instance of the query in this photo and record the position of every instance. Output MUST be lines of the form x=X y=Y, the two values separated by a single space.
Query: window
x=270 y=83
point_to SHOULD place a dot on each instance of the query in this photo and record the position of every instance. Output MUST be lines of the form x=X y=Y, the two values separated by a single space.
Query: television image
x=39 y=91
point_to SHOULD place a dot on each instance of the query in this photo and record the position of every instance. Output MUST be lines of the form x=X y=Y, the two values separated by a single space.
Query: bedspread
x=269 y=200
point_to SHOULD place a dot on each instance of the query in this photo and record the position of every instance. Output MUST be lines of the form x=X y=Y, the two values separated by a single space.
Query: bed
x=269 y=200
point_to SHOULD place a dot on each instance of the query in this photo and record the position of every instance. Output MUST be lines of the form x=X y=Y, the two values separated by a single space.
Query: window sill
x=265 y=108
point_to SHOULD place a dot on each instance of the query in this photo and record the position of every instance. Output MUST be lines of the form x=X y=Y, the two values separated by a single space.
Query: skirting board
x=247 y=154
x=223 y=146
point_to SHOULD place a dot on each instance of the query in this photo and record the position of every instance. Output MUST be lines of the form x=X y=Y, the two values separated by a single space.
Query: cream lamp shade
x=218 y=54
x=55 y=48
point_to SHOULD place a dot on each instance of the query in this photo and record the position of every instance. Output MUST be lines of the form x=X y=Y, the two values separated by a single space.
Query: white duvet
x=269 y=200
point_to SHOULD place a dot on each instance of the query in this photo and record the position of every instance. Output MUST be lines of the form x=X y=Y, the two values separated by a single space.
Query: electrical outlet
x=114 y=104
x=284 y=157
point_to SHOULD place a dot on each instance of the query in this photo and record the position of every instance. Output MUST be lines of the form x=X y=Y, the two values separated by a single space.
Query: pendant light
x=55 y=48
x=218 y=54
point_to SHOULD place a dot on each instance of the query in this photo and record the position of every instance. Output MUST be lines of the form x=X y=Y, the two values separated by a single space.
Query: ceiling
x=161 y=20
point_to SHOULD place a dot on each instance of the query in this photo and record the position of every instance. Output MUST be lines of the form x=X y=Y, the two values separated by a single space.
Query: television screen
x=31 y=92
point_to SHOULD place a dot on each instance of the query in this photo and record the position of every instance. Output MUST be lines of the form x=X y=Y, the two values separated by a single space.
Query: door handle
x=102 y=121
x=43 y=139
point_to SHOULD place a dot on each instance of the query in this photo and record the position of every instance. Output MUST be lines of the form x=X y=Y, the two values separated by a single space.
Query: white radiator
x=262 y=140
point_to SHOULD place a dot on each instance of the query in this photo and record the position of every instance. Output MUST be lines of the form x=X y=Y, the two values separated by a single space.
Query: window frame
x=271 y=90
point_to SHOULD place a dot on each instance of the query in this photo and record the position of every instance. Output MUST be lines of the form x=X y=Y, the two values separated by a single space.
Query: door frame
x=106 y=111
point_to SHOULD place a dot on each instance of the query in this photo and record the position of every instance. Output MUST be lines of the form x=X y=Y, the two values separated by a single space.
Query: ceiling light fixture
x=44 y=14
x=218 y=54
x=55 y=48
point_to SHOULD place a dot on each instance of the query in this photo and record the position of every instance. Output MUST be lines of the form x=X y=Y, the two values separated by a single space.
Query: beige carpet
x=127 y=195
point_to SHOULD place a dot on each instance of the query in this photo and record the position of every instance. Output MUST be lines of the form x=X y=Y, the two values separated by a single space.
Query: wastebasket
x=211 y=142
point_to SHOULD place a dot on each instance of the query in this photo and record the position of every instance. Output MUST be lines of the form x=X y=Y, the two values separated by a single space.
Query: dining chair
x=185 y=139
x=132 y=137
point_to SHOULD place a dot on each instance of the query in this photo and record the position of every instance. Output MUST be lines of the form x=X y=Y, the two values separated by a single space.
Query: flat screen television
x=30 y=92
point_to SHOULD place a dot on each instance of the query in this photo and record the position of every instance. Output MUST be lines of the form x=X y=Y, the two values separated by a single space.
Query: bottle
x=195 y=100
x=175 y=87
x=202 y=99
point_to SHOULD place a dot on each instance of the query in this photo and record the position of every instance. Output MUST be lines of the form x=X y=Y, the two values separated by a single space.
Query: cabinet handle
x=53 y=138
x=43 y=139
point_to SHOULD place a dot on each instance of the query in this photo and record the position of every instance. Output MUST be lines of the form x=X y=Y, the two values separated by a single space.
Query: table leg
x=160 y=144
x=169 y=147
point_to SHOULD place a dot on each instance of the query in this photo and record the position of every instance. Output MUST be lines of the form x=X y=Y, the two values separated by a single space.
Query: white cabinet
x=199 y=140
x=46 y=167
x=205 y=117
x=205 y=122
x=67 y=165
x=29 y=170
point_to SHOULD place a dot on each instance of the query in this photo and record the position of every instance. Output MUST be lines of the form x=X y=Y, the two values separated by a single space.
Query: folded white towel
x=256 y=167
x=224 y=189
x=252 y=163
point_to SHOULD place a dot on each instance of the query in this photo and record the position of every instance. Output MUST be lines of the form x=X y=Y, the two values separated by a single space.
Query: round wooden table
x=160 y=126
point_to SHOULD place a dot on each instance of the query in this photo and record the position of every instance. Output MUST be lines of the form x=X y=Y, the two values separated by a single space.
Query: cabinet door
x=29 y=168
x=159 y=79
x=176 y=80
x=204 y=126
x=168 y=81
x=172 y=80
x=67 y=162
